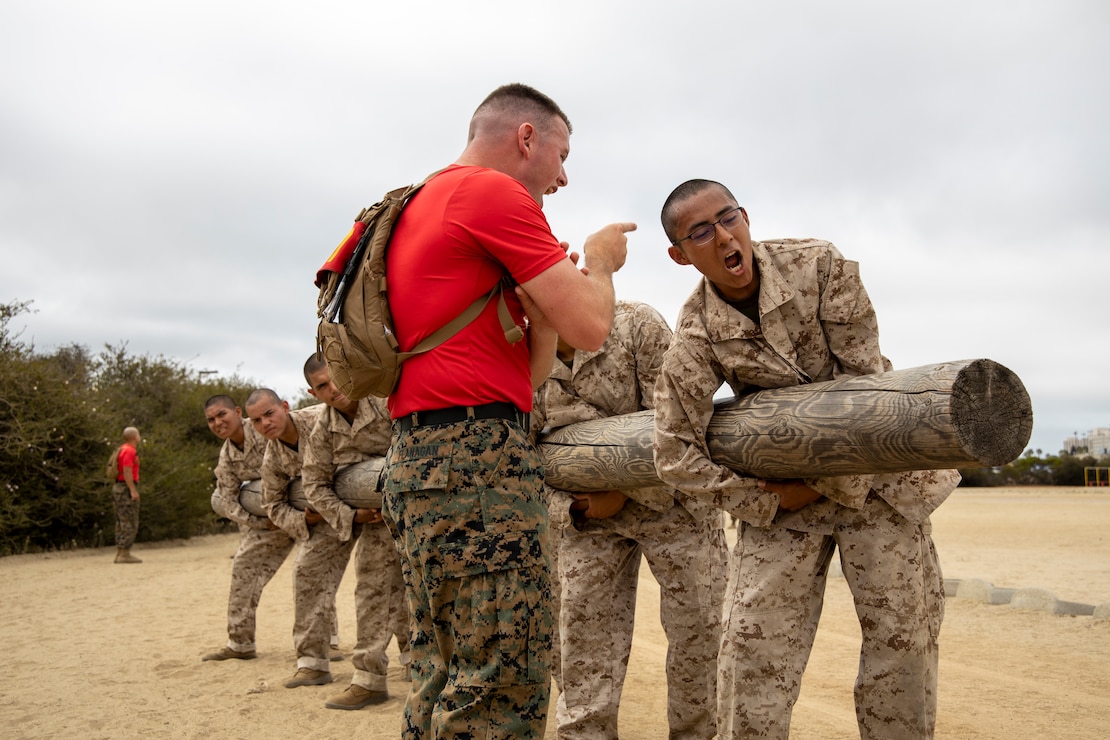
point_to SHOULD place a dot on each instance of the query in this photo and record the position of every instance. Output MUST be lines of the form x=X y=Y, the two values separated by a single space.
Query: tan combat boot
x=123 y=555
x=357 y=697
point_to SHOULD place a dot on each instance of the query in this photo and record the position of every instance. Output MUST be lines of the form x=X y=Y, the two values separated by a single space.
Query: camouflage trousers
x=127 y=515
x=380 y=608
x=261 y=552
x=317 y=571
x=599 y=562
x=464 y=503
x=773 y=603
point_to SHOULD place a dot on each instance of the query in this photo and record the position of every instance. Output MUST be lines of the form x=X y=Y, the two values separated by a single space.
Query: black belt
x=455 y=414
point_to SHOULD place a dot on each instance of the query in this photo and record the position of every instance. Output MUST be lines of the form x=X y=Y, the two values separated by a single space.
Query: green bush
x=62 y=415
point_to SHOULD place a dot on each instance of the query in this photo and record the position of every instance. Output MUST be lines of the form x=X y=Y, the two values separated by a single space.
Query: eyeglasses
x=704 y=233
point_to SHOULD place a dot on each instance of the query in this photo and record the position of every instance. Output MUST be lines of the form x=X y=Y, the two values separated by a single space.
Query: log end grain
x=991 y=412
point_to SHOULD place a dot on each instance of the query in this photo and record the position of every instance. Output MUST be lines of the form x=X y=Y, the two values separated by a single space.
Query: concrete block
x=975 y=589
x=1074 y=609
x=1036 y=599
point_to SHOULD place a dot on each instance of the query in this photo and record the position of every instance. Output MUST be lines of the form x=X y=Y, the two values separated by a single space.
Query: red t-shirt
x=455 y=239
x=128 y=457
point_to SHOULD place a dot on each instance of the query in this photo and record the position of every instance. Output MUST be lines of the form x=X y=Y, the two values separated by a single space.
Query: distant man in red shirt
x=125 y=496
x=462 y=495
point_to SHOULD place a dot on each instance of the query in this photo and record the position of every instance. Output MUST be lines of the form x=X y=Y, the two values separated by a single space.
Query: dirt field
x=98 y=650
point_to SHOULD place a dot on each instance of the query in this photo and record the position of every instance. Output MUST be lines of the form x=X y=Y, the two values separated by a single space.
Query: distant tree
x=1028 y=470
x=1068 y=470
x=62 y=414
x=979 y=477
x=49 y=452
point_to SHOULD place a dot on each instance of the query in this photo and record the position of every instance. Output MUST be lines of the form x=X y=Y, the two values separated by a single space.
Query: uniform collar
x=774 y=291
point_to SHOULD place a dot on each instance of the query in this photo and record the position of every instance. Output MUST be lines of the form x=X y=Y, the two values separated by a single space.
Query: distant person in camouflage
x=348 y=432
x=601 y=537
x=313 y=594
x=263 y=546
x=125 y=495
x=775 y=314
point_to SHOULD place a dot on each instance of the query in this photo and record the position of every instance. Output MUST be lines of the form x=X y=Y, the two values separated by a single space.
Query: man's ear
x=744 y=213
x=678 y=255
x=525 y=137
x=312 y=392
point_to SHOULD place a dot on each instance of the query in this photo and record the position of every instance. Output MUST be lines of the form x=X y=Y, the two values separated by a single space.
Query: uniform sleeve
x=848 y=320
x=683 y=407
x=650 y=341
x=537 y=420
x=227 y=489
x=318 y=477
x=852 y=333
x=653 y=337
x=275 y=496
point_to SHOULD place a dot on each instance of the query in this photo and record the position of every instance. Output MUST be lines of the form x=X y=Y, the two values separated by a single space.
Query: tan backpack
x=111 y=469
x=355 y=334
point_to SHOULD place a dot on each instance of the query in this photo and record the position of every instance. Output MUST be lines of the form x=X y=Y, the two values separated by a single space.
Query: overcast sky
x=173 y=173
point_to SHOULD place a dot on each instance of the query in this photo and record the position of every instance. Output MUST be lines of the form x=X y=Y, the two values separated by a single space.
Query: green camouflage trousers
x=464 y=504
x=127 y=515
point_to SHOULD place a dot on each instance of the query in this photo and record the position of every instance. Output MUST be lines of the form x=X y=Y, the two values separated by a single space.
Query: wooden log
x=217 y=503
x=967 y=413
x=358 y=485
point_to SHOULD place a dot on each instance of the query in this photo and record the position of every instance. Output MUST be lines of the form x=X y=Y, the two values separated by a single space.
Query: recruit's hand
x=606 y=248
x=597 y=504
x=368 y=516
x=269 y=525
x=793 y=493
x=311 y=517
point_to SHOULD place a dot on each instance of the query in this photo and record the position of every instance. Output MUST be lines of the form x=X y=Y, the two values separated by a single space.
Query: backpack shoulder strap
x=513 y=333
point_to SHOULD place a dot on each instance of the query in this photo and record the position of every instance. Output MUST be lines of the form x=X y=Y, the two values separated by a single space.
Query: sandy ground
x=97 y=650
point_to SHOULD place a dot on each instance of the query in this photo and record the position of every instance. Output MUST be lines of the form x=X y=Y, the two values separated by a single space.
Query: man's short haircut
x=685 y=191
x=519 y=103
x=259 y=394
x=220 y=399
x=130 y=433
x=312 y=366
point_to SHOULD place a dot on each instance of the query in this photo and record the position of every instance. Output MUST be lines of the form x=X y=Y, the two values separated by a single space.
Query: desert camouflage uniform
x=261 y=551
x=465 y=502
x=314 y=579
x=816 y=323
x=380 y=607
x=599 y=559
